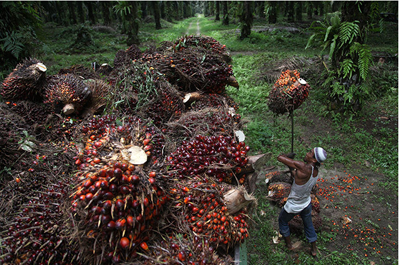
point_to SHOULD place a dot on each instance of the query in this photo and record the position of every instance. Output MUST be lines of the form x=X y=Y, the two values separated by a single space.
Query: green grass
x=59 y=54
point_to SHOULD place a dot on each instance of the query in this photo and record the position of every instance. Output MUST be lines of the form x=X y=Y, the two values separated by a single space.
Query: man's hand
x=290 y=155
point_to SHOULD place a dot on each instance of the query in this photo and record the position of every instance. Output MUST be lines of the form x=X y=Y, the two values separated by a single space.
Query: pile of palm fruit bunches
x=138 y=163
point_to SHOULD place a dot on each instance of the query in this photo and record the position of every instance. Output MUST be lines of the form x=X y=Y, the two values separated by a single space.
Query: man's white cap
x=320 y=154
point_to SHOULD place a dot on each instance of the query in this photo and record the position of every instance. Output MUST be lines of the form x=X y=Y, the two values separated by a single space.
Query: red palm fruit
x=118 y=173
x=107 y=205
x=181 y=256
x=135 y=203
x=111 y=225
x=146 y=202
x=120 y=223
x=135 y=179
x=124 y=242
x=130 y=220
x=144 y=246
x=105 y=219
x=139 y=218
x=119 y=204
x=124 y=167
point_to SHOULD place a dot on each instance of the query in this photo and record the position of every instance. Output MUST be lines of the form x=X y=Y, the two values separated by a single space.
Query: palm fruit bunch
x=144 y=91
x=38 y=232
x=25 y=82
x=33 y=113
x=195 y=68
x=201 y=203
x=120 y=197
x=208 y=121
x=157 y=99
x=176 y=249
x=17 y=144
x=209 y=43
x=122 y=138
x=279 y=191
x=164 y=46
x=81 y=71
x=219 y=157
x=213 y=101
x=116 y=208
x=101 y=93
x=278 y=176
x=67 y=93
x=166 y=106
x=133 y=52
x=34 y=223
x=288 y=93
x=104 y=70
x=123 y=58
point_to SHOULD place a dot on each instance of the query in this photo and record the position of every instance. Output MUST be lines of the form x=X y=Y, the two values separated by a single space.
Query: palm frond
x=347 y=67
x=349 y=31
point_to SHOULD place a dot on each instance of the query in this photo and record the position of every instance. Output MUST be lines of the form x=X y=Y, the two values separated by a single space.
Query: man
x=305 y=176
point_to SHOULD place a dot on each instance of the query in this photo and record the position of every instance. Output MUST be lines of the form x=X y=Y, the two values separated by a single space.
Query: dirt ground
x=359 y=214
x=360 y=211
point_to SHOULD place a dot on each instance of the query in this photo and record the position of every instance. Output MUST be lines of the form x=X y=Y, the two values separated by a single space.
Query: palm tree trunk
x=247 y=20
x=156 y=11
x=133 y=29
x=225 y=20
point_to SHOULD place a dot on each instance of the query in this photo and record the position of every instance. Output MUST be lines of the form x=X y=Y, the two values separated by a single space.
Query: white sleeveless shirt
x=299 y=197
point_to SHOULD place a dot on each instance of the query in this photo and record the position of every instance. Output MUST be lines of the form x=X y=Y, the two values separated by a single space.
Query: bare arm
x=290 y=162
x=299 y=170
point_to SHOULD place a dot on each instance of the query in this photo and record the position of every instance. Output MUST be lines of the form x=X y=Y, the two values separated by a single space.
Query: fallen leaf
x=276 y=239
x=346 y=220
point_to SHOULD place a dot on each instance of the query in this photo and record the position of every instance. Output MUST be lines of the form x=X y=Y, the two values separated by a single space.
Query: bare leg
x=314 y=249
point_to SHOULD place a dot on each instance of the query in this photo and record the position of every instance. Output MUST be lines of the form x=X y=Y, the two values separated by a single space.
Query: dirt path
x=198 y=28
x=190 y=27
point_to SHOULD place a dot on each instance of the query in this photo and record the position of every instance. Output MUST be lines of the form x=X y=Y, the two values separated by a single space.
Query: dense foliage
x=350 y=59
x=18 y=22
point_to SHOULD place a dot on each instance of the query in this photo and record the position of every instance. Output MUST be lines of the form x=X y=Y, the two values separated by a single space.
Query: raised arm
x=290 y=162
